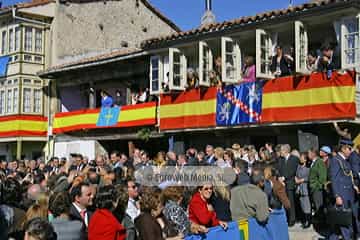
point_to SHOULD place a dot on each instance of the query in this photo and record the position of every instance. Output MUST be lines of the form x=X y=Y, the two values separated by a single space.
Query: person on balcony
x=279 y=63
x=192 y=78
x=312 y=62
x=118 y=98
x=328 y=61
x=106 y=99
x=249 y=73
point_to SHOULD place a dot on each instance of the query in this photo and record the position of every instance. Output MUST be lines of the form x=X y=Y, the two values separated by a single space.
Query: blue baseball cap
x=326 y=149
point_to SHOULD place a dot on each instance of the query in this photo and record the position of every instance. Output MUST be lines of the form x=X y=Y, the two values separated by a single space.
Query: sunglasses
x=133 y=187
x=208 y=189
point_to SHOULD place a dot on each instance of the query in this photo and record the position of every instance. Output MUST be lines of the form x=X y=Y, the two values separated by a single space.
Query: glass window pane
x=38 y=40
x=37 y=100
x=9 y=101
x=28 y=39
x=11 y=40
x=17 y=38
x=2 y=102
x=15 y=99
x=3 y=42
x=27 y=100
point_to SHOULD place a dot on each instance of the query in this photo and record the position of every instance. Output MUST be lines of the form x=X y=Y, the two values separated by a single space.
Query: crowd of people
x=78 y=198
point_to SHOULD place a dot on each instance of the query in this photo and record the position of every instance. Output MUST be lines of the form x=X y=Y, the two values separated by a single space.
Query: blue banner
x=275 y=229
x=108 y=116
x=4 y=60
x=216 y=233
x=239 y=104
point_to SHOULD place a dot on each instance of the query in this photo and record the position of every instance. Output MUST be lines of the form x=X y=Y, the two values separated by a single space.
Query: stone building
x=43 y=33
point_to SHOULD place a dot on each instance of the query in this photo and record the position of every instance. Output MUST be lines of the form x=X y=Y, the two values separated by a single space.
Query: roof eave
x=52 y=73
x=235 y=27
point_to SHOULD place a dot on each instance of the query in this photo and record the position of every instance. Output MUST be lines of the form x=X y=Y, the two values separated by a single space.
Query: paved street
x=297 y=233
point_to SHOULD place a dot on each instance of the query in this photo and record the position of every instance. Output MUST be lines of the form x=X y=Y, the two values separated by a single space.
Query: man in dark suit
x=82 y=199
x=287 y=166
x=344 y=190
x=210 y=156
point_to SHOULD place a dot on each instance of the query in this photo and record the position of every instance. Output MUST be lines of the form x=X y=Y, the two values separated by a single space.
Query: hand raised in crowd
x=71 y=176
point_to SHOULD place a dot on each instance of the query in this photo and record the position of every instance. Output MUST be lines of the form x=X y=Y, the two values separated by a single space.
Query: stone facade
x=85 y=29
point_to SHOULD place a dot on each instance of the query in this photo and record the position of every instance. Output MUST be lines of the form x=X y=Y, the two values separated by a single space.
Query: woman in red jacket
x=103 y=224
x=201 y=211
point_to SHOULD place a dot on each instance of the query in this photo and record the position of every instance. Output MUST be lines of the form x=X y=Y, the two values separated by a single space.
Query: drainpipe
x=27 y=19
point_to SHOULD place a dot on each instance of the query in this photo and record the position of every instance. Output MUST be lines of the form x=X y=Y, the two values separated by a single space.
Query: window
x=350 y=42
x=17 y=38
x=2 y=101
x=301 y=47
x=38 y=59
x=28 y=39
x=263 y=54
x=3 y=42
x=231 y=62
x=26 y=100
x=11 y=40
x=205 y=63
x=37 y=100
x=38 y=40
x=177 y=71
x=27 y=57
x=15 y=100
x=9 y=101
x=27 y=81
x=155 y=74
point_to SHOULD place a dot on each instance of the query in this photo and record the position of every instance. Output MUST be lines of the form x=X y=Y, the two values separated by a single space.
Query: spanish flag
x=309 y=98
x=195 y=108
x=23 y=126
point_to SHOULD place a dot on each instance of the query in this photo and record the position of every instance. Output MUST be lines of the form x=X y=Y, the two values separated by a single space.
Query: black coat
x=284 y=66
x=75 y=215
x=288 y=170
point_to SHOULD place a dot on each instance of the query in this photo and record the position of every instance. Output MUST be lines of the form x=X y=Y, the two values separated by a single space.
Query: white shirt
x=79 y=210
x=132 y=210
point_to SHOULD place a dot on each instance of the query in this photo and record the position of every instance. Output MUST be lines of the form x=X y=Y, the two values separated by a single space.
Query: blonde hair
x=160 y=159
x=36 y=210
x=219 y=153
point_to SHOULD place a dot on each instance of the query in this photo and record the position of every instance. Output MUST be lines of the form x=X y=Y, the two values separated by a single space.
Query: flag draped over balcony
x=309 y=98
x=195 y=108
x=238 y=104
x=129 y=116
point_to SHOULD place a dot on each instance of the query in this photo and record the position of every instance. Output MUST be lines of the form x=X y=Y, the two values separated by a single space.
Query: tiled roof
x=145 y=2
x=33 y=3
x=89 y=60
x=242 y=21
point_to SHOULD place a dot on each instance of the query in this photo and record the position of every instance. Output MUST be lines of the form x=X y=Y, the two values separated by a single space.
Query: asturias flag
x=239 y=104
x=108 y=116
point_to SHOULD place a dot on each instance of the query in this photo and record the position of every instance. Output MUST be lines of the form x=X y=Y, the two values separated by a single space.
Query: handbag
x=339 y=216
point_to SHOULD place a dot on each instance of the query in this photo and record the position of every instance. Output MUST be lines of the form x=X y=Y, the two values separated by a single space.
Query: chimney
x=208 y=16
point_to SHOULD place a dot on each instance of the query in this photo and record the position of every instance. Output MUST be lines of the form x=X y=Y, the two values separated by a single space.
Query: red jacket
x=103 y=225
x=199 y=213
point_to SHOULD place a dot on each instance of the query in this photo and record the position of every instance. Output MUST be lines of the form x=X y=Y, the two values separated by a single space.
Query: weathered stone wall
x=86 y=29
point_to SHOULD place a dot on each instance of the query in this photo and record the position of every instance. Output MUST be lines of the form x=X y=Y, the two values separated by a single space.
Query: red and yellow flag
x=131 y=116
x=23 y=126
x=195 y=108
x=309 y=98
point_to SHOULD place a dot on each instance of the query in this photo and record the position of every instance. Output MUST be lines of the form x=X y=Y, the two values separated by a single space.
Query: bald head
x=34 y=191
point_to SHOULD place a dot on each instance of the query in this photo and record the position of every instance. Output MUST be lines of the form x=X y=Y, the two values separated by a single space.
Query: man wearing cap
x=342 y=184
x=317 y=178
x=325 y=152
